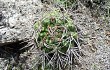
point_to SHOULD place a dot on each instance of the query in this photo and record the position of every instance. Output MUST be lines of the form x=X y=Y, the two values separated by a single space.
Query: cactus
x=54 y=38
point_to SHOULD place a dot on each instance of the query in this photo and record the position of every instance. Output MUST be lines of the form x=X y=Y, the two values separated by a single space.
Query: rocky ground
x=17 y=18
x=94 y=33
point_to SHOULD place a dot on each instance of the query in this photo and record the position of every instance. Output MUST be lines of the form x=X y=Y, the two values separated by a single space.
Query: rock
x=17 y=18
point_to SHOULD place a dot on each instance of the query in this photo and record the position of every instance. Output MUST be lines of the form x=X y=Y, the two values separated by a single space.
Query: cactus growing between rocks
x=55 y=37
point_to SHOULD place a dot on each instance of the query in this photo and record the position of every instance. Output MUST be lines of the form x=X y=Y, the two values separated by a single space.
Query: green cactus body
x=55 y=33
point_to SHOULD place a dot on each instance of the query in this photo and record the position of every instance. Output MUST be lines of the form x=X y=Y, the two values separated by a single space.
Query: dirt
x=95 y=38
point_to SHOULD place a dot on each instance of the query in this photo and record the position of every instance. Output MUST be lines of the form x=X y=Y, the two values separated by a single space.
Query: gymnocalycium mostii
x=55 y=36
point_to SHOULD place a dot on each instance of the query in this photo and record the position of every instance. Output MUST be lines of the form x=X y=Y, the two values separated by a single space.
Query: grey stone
x=17 y=18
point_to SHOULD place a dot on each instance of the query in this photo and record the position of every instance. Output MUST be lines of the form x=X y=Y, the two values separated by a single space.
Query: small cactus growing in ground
x=55 y=38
